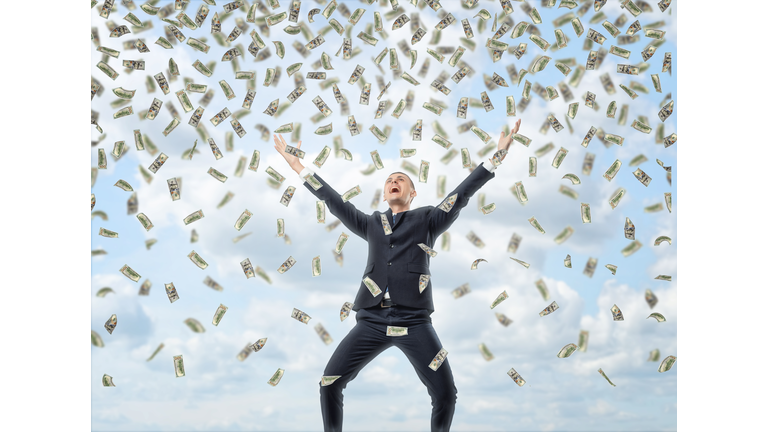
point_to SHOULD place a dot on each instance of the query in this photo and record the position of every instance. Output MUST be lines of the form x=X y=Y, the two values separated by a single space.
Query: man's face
x=398 y=190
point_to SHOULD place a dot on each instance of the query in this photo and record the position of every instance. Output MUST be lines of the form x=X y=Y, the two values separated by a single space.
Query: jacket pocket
x=369 y=268
x=418 y=268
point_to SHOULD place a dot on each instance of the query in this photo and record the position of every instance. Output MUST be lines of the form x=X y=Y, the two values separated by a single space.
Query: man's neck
x=398 y=210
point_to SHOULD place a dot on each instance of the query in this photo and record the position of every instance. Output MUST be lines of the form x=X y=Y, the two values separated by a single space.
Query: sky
x=258 y=309
x=222 y=396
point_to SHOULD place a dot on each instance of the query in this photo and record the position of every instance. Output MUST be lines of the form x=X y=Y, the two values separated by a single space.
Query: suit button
x=389 y=263
x=391 y=246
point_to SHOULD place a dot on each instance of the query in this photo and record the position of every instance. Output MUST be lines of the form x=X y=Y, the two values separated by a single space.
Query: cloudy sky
x=221 y=393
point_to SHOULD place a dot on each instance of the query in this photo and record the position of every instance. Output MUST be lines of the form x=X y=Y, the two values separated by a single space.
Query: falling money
x=152 y=59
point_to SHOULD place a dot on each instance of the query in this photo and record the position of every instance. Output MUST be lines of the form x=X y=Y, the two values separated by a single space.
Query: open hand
x=280 y=145
x=506 y=140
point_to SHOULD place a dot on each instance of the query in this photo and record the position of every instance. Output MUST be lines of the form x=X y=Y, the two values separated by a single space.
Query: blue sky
x=259 y=310
x=143 y=400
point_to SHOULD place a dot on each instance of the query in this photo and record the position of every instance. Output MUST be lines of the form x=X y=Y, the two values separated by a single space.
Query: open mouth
x=394 y=190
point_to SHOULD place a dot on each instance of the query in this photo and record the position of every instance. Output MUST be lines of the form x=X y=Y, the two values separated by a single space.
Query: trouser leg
x=420 y=346
x=361 y=345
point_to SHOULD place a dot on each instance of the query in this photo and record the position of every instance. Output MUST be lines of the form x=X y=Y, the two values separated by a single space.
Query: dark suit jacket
x=396 y=261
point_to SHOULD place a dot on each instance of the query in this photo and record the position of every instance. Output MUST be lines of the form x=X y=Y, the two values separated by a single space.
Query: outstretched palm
x=506 y=140
x=280 y=145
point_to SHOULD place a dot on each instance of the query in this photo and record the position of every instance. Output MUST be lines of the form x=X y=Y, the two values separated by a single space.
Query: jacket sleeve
x=440 y=221
x=348 y=214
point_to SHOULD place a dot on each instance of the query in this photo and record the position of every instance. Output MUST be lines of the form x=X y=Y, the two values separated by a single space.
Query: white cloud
x=149 y=396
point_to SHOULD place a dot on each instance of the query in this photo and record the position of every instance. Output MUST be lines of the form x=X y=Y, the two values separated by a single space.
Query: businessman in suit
x=400 y=269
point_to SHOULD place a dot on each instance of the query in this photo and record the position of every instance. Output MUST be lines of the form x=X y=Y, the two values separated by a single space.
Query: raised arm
x=439 y=220
x=348 y=214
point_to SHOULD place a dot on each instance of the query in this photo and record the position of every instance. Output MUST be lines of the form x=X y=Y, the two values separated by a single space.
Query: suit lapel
x=400 y=217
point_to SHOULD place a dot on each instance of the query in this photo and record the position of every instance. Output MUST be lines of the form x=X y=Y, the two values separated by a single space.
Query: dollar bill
x=194 y=325
x=197 y=260
x=286 y=265
x=461 y=291
x=431 y=252
x=669 y=361
x=111 y=323
x=616 y=197
x=397 y=331
x=503 y=319
x=247 y=268
x=616 y=312
x=606 y=377
x=170 y=291
x=212 y=284
x=300 y=316
x=516 y=377
x=567 y=350
x=654 y=355
x=321 y=106
x=667 y=65
x=549 y=309
x=534 y=223
x=372 y=286
x=589 y=268
x=287 y=195
x=666 y=111
x=173 y=188
x=487 y=209
x=243 y=219
x=487 y=355
x=487 y=105
x=130 y=273
x=145 y=222
x=323 y=333
x=611 y=172
x=178 y=366
x=346 y=308
x=629 y=229
x=343 y=237
x=217 y=175
x=106 y=380
x=669 y=140
x=519 y=190
x=227 y=90
x=475 y=240
x=196 y=216
x=220 y=117
x=642 y=177
x=439 y=359
x=500 y=298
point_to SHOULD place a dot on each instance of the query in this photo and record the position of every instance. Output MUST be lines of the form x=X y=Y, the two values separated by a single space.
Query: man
x=396 y=290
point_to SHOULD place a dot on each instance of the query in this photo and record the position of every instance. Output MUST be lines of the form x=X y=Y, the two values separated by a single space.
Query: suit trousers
x=368 y=339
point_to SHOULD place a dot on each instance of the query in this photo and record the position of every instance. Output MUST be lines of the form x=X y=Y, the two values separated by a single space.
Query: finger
x=502 y=136
x=298 y=145
x=282 y=140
